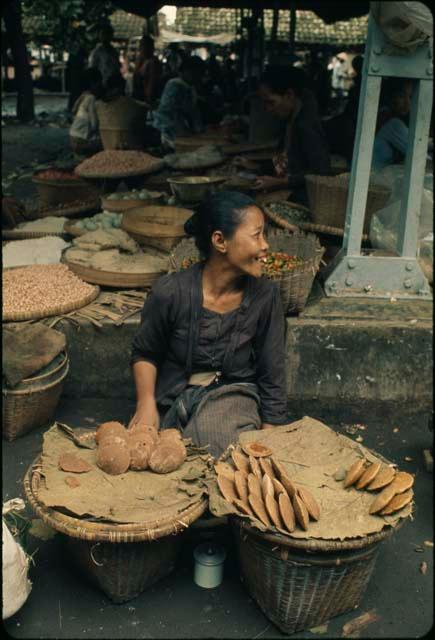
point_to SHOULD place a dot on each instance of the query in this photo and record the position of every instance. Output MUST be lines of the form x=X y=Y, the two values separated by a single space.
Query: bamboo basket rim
x=113 y=278
x=54 y=311
x=152 y=168
x=105 y=532
x=16 y=234
x=320 y=544
x=305 y=226
x=74 y=182
x=86 y=205
x=26 y=392
x=49 y=373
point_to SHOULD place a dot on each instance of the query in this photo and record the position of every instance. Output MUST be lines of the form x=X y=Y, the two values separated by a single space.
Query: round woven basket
x=327 y=196
x=73 y=209
x=120 y=559
x=111 y=278
x=53 y=311
x=150 y=167
x=32 y=403
x=300 y=584
x=295 y=286
x=54 y=192
x=159 y=227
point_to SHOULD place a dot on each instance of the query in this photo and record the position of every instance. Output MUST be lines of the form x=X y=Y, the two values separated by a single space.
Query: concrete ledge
x=342 y=356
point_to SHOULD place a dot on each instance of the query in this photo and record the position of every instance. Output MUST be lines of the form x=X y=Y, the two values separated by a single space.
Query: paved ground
x=63 y=605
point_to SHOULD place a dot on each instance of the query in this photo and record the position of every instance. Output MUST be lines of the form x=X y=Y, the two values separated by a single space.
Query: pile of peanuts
x=56 y=174
x=41 y=287
x=115 y=163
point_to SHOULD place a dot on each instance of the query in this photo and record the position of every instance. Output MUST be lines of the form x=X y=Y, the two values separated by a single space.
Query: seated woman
x=117 y=111
x=147 y=76
x=178 y=113
x=84 y=132
x=391 y=140
x=209 y=353
x=305 y=150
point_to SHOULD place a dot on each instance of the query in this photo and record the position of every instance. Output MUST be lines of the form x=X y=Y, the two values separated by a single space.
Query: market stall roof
x=222 y=39
x=329 y=11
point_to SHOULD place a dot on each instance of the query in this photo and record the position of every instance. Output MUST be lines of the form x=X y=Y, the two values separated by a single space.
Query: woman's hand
x=146 y=413
x=269 y=183
x=244 y=163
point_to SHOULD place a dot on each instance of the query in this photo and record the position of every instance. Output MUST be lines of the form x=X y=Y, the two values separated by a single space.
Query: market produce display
x=135 y=194
x=118 y=164
x=201 y=158
x=39 y=288
x=289 y=212
x=102 y=220
x=49 y=224
x=259 y=487
x=46 y=250
x=139 y=448
x=277 y=263
x=57 y=175
x=376 y=476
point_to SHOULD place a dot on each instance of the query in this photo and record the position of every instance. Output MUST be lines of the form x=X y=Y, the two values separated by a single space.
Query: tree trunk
x=12 y=20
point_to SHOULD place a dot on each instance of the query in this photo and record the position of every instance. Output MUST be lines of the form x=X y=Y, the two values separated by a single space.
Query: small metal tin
x=209 y=565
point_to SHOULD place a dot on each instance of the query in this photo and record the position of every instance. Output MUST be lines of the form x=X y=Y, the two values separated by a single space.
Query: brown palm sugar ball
x=110 y=428
x=150 y=431
x=167 y=457
x=113 y=459
x=115 y=441
x=141 y=448
x=170 y=433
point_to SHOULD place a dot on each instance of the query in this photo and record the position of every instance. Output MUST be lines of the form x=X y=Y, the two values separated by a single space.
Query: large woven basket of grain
x=60 y=186
x=32 y=402
x=121 y=559
x=300 y=584
x=327 y=196
x=116 y=164
x=43 y=290
x=159 y=227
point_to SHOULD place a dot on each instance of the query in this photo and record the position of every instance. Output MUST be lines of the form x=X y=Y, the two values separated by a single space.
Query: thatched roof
x=310 y=29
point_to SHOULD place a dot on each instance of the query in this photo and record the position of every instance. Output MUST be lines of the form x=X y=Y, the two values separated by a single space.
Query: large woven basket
x=300 y=584
x=121 y=559
x=295 y=286
x=119 y=280
x=32 y=403
x=158 y=227
x=55 y=192
x=327 y=196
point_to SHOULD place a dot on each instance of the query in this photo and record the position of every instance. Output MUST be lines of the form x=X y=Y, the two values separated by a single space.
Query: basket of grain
x=120 y=559
x=57 y=187
x=300 y=583
x=327 y=196
x=159 y=227
x=32 y=402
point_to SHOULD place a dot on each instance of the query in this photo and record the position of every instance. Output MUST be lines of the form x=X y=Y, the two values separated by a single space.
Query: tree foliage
x=74 y=24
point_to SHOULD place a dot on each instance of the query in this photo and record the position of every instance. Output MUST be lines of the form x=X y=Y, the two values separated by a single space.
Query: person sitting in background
x=84 y=131
x=178 y=113
x=147 y=75
x=125 y=117
x=391 y=140
x=305 y=150
x=104 y=56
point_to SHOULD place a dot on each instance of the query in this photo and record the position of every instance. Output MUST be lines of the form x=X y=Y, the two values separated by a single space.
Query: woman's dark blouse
x=174 y=323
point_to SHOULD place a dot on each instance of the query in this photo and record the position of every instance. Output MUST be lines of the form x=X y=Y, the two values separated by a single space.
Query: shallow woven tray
x=107 y=532
x=54 y=311
x=16 y=234
x=113 y=278
x=151 y=168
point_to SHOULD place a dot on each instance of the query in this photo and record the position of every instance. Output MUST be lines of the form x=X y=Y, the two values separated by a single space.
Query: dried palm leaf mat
x=135 y=497
x=306 y=455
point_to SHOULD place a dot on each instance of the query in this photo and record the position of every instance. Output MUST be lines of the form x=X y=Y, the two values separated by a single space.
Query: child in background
x=84 y=131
